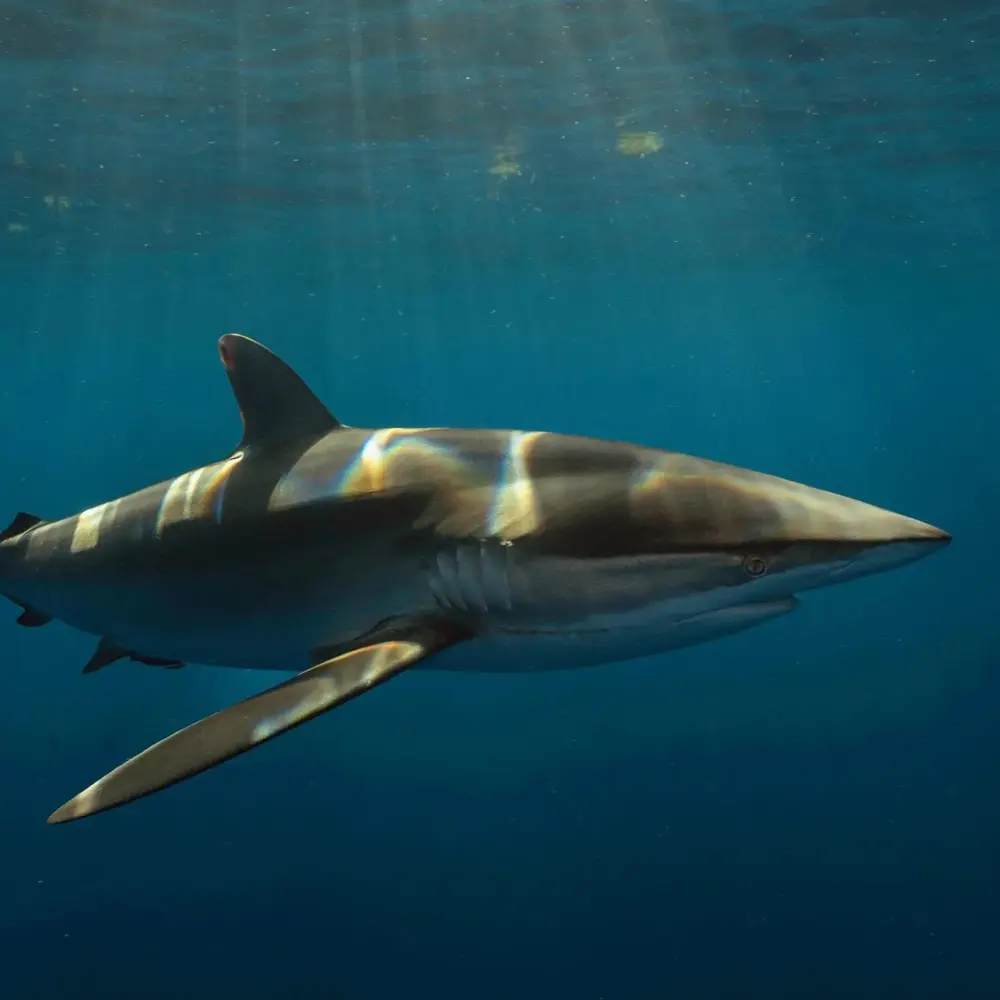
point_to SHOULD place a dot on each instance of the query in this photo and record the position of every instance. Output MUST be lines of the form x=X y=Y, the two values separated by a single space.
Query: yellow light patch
x=172 y=505
x=505 y=165
x=214 y=486
x=515 y=504
x=191 y=494
x=638 y=143
x=389 y=450
x=389 y=458
x=196 y=495
x=87 y=530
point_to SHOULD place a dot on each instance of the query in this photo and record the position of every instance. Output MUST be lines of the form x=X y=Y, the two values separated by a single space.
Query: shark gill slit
x=473 y=578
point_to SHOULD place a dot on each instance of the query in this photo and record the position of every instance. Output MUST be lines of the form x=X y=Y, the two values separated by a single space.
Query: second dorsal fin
x=276 y=405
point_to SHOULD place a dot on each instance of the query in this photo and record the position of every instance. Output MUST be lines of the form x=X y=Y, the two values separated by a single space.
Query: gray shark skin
x=349 y=555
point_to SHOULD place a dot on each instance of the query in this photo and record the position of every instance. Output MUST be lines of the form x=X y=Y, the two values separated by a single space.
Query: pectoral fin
x=243 y=726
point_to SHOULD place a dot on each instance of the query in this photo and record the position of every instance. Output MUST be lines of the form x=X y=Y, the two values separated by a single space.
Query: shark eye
x=755 y=565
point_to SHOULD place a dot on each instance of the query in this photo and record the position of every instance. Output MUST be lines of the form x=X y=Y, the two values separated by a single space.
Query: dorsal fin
x=276 y=405
x=21 y=523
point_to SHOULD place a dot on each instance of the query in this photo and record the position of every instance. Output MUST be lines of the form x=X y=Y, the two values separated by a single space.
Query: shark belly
x=263 y=625
x=270 y=609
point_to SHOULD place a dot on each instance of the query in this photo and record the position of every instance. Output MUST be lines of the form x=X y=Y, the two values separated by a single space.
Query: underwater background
x=761 y=233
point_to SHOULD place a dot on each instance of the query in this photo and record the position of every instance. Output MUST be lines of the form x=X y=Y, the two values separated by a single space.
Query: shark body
x=348 y=555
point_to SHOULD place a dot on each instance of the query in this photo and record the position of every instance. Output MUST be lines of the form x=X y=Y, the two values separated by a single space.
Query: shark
x=345 y=556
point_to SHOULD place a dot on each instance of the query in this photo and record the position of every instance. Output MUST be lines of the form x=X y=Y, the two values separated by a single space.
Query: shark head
x=634 y=538
x=769 y=537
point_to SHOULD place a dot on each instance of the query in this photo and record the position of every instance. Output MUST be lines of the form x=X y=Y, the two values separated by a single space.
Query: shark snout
x=865 y=539
x=809 y=513
x=854 y=521
x=881 y=556
x=820 y=538
x=864 y=523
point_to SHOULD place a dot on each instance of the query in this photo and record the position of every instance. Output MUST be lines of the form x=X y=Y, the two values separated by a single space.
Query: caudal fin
x=23 y=522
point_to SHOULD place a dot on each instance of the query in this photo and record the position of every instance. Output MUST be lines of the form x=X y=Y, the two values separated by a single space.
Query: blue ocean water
x=764 y=234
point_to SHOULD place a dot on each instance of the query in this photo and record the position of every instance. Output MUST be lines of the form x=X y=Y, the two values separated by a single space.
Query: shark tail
x=22 y=522
x=30 y=617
